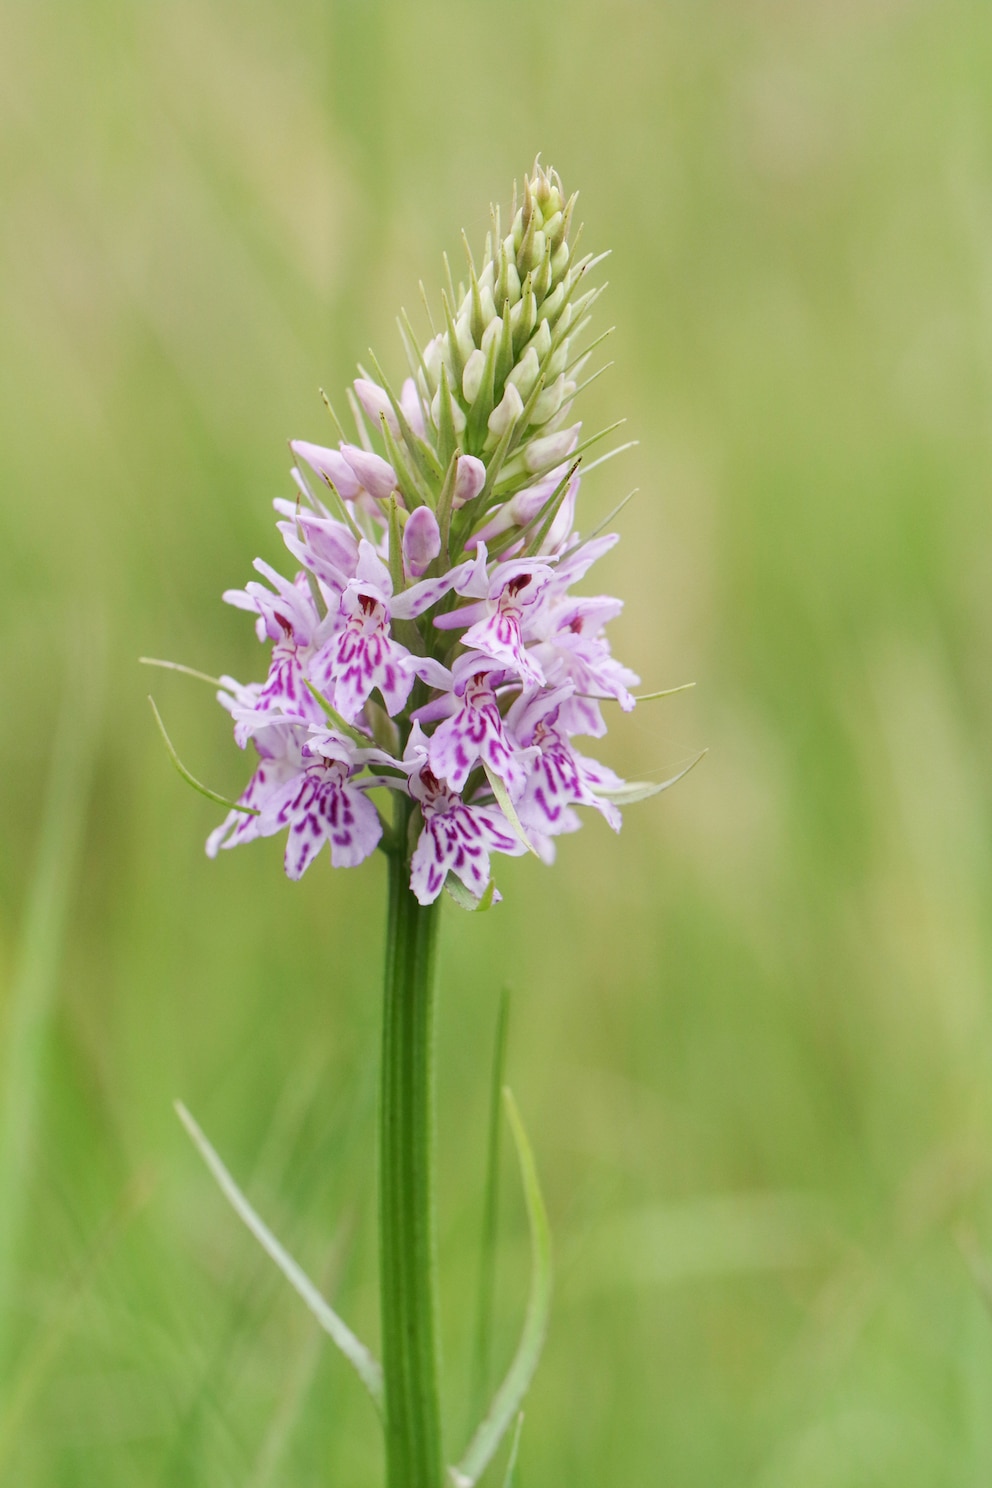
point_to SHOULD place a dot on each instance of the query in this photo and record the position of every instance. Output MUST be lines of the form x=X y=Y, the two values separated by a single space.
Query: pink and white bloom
x=487 y=667
x=456 y=838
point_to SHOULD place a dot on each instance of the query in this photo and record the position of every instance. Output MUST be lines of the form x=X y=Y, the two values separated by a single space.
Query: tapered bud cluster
x=428 y=642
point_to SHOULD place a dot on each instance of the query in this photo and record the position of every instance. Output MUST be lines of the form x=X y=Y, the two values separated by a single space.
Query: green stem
x=407 y=1274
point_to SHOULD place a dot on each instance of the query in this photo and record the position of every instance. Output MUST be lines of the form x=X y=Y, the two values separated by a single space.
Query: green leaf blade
x=360 y=1358
x=508 y=1399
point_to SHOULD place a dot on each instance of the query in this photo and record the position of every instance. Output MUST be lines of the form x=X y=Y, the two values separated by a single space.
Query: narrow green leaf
x=358 y=414
x=334 y=418
x=641 y=790
x=454 y=350
x=508 y=809
x=650 y=697
x=494 y=464
x=587 y=351
x=177 y=666
x=511 y=1465
x=510 y=1395
x=341 y=724
x=415 y=357
x=477 y=424
x=621 y=449
x=427 y=307
x=359 y=1357
x=548 y=512
x=191 y=779
x=415 y=491
x=395 y=545
x=610 y=519
x=445 y=507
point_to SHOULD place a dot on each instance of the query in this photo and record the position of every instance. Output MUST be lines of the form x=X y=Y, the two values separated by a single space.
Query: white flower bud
x=469 y=480
x=557 y=363
x=539 y=246
x=375 y=401
x=488 y=304
x=559 y=260
x=525 y=373
x=457 y=416
x=463 y=330
x=540 y=342
x=552 y=226
x=512 y=282
x=472 y=376
x=507 y=412
x=523 y=316
x=554 y=301
x=549 y=402
x=492 y=333
x=552 y=449
x=433 y=357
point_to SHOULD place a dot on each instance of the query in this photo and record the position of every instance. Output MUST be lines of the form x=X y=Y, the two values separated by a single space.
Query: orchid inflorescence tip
x=428 y=642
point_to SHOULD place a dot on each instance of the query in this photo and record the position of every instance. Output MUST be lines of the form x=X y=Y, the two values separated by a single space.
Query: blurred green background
x=752 y=1037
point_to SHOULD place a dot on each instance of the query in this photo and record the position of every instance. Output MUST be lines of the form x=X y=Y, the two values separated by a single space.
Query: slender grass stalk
x=408 y=1285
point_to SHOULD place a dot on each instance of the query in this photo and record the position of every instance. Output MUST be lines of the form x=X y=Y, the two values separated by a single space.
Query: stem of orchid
x=407 y=1266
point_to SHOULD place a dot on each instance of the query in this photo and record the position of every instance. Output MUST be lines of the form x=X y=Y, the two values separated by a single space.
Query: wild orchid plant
x=428 y=654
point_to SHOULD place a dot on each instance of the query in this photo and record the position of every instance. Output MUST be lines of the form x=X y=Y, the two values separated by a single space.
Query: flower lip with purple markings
x=427 y=641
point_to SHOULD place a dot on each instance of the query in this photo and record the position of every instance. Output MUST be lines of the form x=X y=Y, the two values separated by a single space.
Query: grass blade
x=191 y=779
x=367 y=1368
x=641 y=790
x=510 y=1395
x=511 y=1465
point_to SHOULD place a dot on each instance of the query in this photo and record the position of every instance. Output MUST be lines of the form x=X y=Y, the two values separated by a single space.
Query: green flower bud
x=507 y=412
x=525 y=373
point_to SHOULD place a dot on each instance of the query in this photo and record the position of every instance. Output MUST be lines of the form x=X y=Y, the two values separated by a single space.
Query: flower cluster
x=429 y=643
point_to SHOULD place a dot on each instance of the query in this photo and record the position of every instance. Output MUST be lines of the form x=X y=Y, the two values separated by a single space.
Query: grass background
x=752 y=1036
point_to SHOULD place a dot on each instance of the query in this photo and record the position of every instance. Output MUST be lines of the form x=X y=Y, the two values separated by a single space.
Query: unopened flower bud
x=472 y=376
x=331 y=465
x=552 y=449
x=433 y=358
x=375 y=401
x=549 y=402
x=525 y=374
x=463 y=333
x=412 y=408
x=421 y=541
x=374 y=473
x=507 y=412
x=540 y=342
x=457 y=413
x=553 y=228
x=554 y=303
x=469 y=480
x=523 y=316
